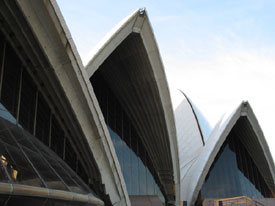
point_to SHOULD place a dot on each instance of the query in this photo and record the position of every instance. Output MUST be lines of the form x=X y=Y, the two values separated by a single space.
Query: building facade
x=105 y=134
x=234 y=161
x=69 y=136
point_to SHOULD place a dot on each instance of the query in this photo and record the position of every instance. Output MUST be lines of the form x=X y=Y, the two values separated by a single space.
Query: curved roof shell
x=50 y=53
x=137 y=76
x=190 y=134
x=246 y=124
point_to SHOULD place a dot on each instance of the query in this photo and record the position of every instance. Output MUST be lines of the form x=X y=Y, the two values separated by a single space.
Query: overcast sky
x=218 y=52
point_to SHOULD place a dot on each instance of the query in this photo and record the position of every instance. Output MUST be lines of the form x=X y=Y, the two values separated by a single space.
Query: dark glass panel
x=43 y=168
x=126 y=130
x=258 y=184
x=263 y=186
x=134 y=165
x=2 y=55
x=218 y=170
x=240 y=170
x=52 y=181
x=233 y=173
x=57 y=138
x=127 y=166
x=76 y=184
x=104 y=102
x=54 y=162
x=82 y=173
x=11 y=81
x=43 y=117
x=234 y=169
x=111 y=111
x=63 y=174
x=13 y=87
x=150 y=182
x=21 y=138
x=28 y=102
x=223 y=170
x=70 y=156
x=4 y=113
x=18 y=166
x=245 y=171
x=141 y=172
x=3 y=174
x=118 y=144
x=4 y=164
x=251 y=179
x=129 y=149
x=118 y=120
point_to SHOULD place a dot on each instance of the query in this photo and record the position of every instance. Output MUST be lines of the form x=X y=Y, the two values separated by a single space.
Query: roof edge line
x=107 y=40
x=202 y=137
x=243 y=110
x=215 y=149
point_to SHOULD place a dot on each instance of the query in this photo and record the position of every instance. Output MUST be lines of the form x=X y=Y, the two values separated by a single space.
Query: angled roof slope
x=130 y=62
x=253 y=139
x=45 y=36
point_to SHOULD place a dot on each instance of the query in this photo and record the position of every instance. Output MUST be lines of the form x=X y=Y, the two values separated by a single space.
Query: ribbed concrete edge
x=73 y=80
x=109 y=43
x=31 y=191
x=120 y=187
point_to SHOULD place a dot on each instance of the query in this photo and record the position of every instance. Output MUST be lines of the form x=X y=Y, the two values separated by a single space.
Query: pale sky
x=218 y=52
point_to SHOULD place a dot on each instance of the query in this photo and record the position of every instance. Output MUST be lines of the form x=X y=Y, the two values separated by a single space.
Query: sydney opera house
x=106 y=134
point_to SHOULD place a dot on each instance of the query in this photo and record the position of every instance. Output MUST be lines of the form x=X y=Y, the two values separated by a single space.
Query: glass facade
x=26 y=160
x=134 y=160
x=24 y=105
x=234 y=173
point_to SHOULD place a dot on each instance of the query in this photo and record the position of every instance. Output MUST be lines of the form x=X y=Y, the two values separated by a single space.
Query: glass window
x=234 y=168
x=134 y=165
x=57 y=138
x=21 y=102
x=150 y=183
x=33 y=153
x=132 y=156
x=18 y=167
x=43 y=118
x=28 y=102
x=2 y=56
x=11 y=81
x=141 y=178
x=111 y=111
x=70 y=156
x=82 y=173
x=75 y=184
x=233 y=173
x=4 y=113
x=127 y=166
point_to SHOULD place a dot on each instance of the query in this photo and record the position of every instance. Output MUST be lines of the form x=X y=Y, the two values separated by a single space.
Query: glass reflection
x=22 y=160
x=25 y=160
x=234 y=173
x=132 y=156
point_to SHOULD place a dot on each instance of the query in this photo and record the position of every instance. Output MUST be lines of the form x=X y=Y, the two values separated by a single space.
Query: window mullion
x=2 y=66
x=19 y=94
x=35 y=113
